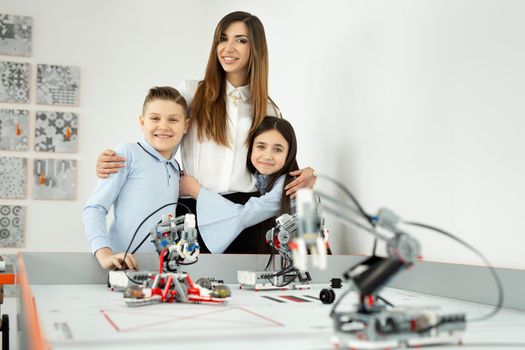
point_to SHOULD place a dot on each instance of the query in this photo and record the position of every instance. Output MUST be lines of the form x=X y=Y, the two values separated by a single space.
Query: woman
x=225 y=109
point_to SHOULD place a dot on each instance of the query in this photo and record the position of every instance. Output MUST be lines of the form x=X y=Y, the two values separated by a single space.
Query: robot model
x=311 y=237
x=175 y=240
x=284 y=238
x=376 y=325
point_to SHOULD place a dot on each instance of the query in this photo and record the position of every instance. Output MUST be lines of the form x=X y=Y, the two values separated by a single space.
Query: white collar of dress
x=244 y=91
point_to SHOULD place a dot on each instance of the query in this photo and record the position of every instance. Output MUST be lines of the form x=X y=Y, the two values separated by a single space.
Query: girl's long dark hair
x=286 y=130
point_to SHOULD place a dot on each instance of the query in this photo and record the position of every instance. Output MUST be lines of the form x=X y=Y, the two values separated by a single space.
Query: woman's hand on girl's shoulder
x=189 y=186
x=109 y=163
x=305 y=178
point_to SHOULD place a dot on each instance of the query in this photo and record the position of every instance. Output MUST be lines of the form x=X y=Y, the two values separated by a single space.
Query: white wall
x=414 y=105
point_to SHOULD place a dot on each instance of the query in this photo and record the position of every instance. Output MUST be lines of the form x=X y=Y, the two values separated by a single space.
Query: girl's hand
x=108 y=163
x=189 y=186
x=305 y=178
x=110 y=261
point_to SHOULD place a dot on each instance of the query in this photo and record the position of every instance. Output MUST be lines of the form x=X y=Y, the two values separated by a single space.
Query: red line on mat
x=106 y=316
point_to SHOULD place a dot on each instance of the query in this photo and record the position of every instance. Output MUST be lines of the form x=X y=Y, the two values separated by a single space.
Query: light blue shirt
x=220 y=221
x=147 y=182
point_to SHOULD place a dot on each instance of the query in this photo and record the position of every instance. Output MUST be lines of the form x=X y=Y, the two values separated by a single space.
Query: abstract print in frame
x=13 y=175
x=57 y=85
x=56 y=132
x=12 y=221
x=14 y=129
x=14 y=82
x=15 y=35
x=55 y=178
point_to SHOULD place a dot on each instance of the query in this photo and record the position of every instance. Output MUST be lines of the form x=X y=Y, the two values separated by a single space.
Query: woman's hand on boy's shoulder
x=109 y=163
x=304 y=178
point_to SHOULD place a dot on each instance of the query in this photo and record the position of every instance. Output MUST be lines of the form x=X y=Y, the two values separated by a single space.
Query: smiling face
x=233 y=52
x=164 y=124
x=269 y=152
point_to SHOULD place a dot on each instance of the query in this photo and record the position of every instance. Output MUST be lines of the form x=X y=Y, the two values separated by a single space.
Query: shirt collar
x=262 y=182
x=155 y=154
x=244 y=91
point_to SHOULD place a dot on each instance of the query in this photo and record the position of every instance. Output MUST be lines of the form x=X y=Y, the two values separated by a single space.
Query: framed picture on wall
x=56 y=132
x=14 y=129
x=14 y=85
x=55 y=179
x=12 y=222
x=13 y=175
x=15 y=35
x=57 y=85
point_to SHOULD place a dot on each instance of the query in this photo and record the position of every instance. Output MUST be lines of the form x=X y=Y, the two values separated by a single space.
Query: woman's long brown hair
x=208 y=108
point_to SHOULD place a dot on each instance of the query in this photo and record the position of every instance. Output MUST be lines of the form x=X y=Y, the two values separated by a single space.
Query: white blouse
x=218 y=168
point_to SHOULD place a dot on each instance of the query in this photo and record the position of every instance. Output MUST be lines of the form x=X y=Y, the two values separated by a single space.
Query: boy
x=149 y=180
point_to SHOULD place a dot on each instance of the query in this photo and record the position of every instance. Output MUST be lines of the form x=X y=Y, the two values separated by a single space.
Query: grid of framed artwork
x=49 y=130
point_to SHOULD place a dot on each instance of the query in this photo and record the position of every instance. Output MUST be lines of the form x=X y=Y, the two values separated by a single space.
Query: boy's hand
x=189 y=186
x=110 y=261
x=109 y=163
x=305 y=178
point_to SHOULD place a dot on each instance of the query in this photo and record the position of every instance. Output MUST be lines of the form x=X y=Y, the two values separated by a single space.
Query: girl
x=271 y=158
x=226 y=107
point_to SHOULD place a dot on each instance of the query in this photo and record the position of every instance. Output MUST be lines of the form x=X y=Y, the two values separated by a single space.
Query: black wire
x=379 y=297
x=284 y=259
x=147 y=235
x=272 y=254
x=270 y=258
x=190 y=263
x=374 y=247
x=284 y=284
x=286 y=269
x=131 y=279
x=451 y=236
x=282 y=273
x=140 y=244
x=357 y=204
x=140 y=225
x=350 y=195
x=364 y=214
x=493 y=272
x=345 y=293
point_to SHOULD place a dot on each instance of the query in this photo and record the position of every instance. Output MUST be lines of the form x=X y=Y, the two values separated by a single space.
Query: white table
x=73 y=316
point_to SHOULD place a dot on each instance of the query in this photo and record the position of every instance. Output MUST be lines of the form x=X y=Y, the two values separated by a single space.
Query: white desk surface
x=92 y=316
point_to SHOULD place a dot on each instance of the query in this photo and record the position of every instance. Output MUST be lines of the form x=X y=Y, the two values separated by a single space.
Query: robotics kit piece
x=397 y=327
x=376 y=326
x=174 y=287
x=268 y=280
x=175 y=240
x=289 y=277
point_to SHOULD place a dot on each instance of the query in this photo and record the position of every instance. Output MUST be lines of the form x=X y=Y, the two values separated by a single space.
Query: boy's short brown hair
x=166 y=93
